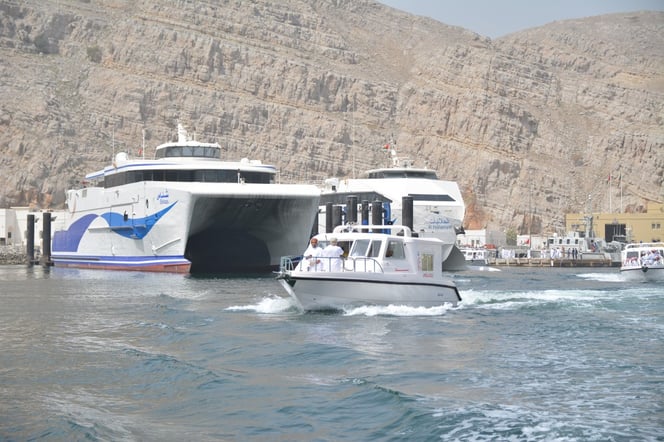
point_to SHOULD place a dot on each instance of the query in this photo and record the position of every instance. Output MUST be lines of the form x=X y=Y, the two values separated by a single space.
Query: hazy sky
x=495 y=18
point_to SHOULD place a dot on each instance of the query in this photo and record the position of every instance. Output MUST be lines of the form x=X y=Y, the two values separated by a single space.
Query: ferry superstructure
x=438 y=206
x=186 y=210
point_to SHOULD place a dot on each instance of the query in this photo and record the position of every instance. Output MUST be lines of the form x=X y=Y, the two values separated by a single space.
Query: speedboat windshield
x=365 y=247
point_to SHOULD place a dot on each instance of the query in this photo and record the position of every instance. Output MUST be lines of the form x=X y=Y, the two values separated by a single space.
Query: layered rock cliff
x=531 y=125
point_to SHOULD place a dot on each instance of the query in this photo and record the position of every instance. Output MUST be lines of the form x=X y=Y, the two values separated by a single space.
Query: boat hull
x=643 y=262
x=645 y=273
x=185 y=227
x=142 y=264
x=339 y=291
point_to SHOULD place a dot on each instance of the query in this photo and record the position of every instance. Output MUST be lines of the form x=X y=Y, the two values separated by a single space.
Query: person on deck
x=312 y=261
x=333 y=256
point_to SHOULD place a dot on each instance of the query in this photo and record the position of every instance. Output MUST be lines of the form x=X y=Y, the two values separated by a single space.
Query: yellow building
x=636 y=227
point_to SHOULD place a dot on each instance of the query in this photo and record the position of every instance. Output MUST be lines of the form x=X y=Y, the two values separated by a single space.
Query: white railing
x=355 y=264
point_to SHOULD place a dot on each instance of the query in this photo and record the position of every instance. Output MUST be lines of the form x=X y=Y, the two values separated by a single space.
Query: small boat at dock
x=381 y=265
x=477 y=256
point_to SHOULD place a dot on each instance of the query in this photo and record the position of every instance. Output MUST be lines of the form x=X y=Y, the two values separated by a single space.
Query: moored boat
x=643 y=262
x=186 y=210
x=476 y=256
x=380 y=265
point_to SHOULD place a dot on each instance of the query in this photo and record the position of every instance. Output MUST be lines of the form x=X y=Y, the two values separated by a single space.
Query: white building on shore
x=14 y=225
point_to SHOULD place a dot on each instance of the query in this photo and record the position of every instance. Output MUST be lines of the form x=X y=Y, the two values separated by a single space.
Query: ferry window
x=175 y=151
x=430 y=175
x=395 y=250
x=257 y=177
x=206 y=176
x=426 y=262
x=185 y=175
x=227 y=176
x=187 y=151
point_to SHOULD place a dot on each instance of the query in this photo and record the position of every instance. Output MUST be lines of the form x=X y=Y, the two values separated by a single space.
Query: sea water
x=530 y=354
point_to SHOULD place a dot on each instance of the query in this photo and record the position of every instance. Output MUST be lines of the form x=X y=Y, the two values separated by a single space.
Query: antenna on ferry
x=393 y=153
x=143 y=145
x=352 y=137
x=182 y=134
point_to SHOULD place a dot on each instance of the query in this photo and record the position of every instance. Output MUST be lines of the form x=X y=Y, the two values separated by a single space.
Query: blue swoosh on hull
x=133 y=228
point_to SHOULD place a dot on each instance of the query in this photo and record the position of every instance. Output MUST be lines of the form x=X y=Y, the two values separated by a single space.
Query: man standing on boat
x=333 y=254
x=312 y=257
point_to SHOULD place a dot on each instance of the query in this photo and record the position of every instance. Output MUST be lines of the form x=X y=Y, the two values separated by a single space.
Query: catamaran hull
x=185 y=227
x=143 y=264
x=341 y=291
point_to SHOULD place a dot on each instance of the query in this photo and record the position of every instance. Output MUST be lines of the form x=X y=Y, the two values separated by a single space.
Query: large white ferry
x=186 y=210
x=438 y=207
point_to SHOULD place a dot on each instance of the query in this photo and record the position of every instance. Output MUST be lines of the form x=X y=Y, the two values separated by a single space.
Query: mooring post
x=329 y=220
x=351 y=209
x=365 y=212
x=337 y=211
x=46 y=240
x=377 y=213
x=407 y=211
x=30 y=240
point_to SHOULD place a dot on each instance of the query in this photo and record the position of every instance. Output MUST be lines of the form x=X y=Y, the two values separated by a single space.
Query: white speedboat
x=381 y=265
x=643 y=262
x=186 y=210
x=438 y=206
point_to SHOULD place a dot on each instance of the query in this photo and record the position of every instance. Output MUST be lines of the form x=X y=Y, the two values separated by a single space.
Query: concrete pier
x=548 y=262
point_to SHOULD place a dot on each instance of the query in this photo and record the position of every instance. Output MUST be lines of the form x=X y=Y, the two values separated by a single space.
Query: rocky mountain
x=531 y=125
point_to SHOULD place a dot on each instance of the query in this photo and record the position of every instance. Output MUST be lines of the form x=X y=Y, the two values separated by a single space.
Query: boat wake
x=509 y=300
x=269 y=304
x=275 y=305
x=484 y=269
x=602 y=277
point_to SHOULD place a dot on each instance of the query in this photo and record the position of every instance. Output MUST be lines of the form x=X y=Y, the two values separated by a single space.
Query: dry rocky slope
x=530 y=125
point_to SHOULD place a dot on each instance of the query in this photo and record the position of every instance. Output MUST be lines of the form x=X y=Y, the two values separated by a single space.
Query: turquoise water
x=529 y=354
